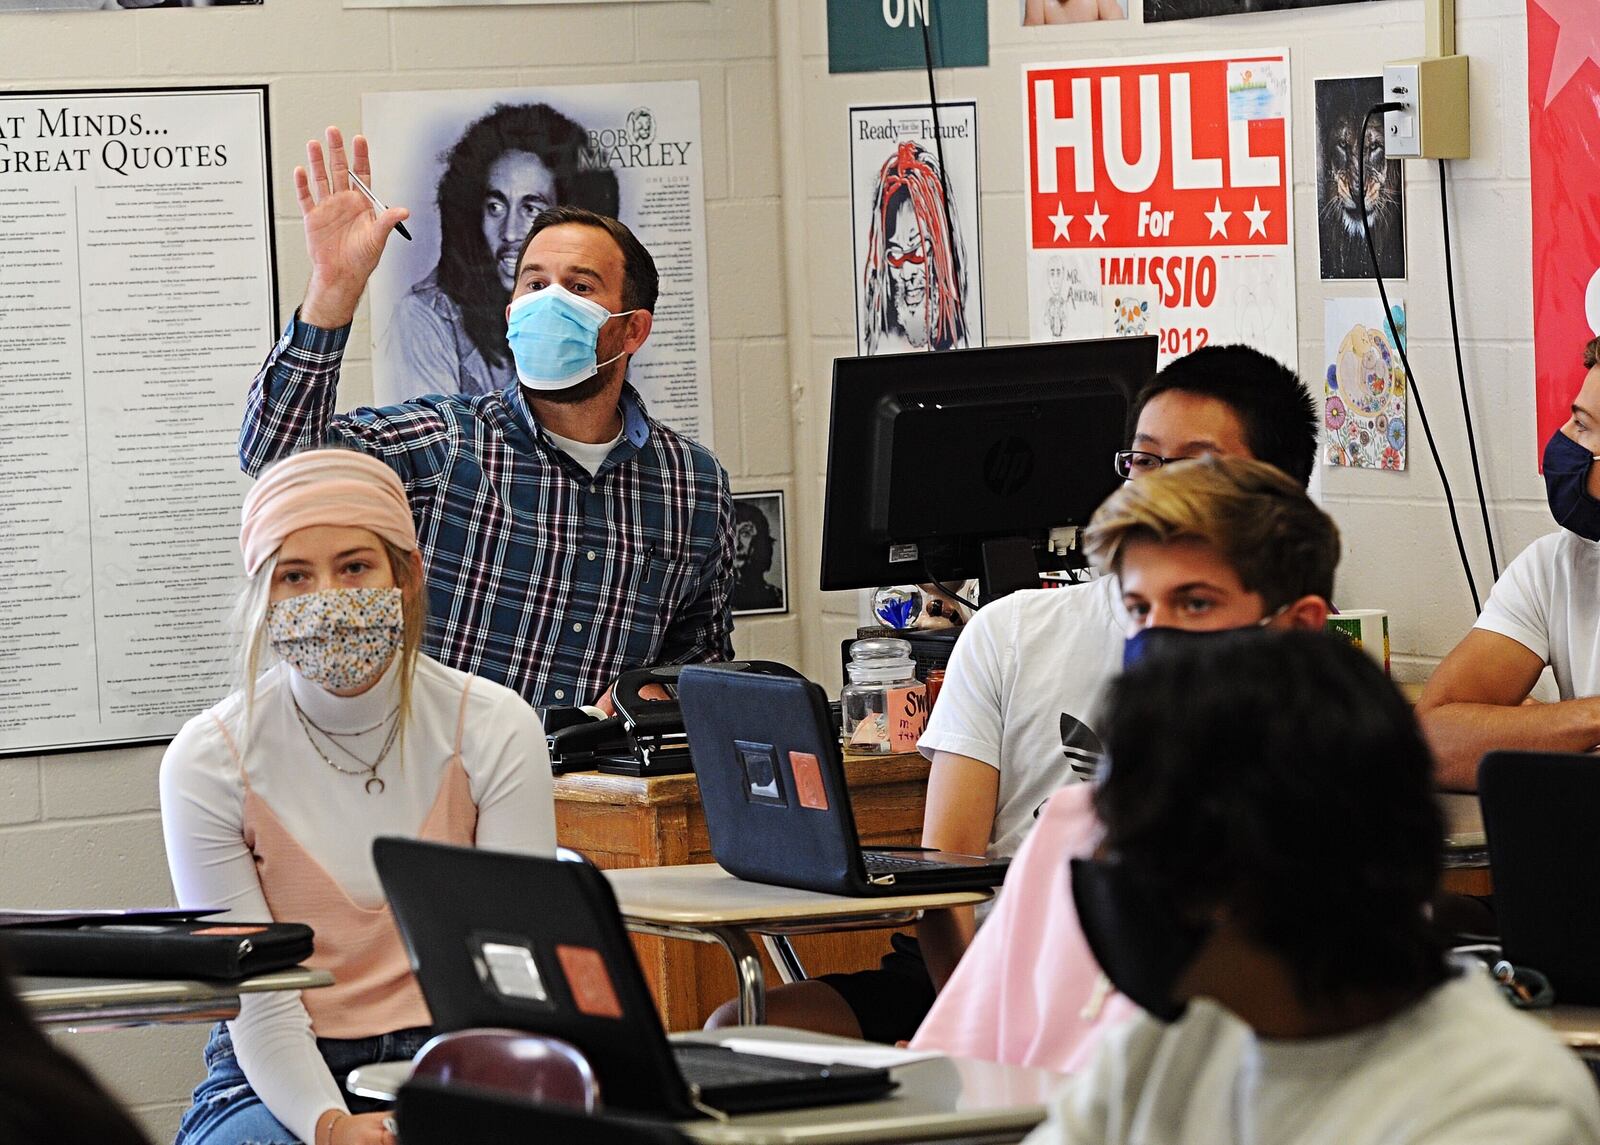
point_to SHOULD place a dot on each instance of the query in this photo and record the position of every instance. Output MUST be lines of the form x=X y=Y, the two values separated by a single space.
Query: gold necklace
x=369 y=769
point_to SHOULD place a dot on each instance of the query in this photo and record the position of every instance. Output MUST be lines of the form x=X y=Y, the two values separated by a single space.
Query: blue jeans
x=226 y=1111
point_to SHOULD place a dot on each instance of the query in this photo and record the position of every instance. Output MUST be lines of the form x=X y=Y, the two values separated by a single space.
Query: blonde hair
x=255 y=602
x=1253 y=514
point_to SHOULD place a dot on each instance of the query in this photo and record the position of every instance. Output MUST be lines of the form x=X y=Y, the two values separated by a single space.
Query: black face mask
x=1148 y=642
x=1141 y=940
x=1566 y=476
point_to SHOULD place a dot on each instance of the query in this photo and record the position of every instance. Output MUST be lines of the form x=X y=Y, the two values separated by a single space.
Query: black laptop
x=1539 y=813
x=499 y=939
x=772 y=783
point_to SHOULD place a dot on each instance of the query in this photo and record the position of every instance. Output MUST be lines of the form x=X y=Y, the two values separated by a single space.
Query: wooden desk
x=1466 y=848
x=621 y=821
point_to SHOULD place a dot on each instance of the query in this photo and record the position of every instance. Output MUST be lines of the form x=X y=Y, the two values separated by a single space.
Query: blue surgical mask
x=1159 y=641
x=553 y=334
x=1566 y=478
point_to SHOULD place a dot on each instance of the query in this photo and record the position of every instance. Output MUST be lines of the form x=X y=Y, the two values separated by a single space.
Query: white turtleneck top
x=334 y=819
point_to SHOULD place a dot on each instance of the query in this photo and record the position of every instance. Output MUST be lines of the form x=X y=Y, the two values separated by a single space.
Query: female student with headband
x=270 y=800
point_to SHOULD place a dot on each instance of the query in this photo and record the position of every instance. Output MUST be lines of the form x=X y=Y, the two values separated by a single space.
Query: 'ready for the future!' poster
x=1159 y=200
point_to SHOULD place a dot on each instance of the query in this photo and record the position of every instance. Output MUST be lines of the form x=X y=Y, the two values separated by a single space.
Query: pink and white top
x=263 y=826
x=1028 y=991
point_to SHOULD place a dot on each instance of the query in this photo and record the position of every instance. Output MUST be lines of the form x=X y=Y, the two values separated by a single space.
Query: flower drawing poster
x=1364 y=404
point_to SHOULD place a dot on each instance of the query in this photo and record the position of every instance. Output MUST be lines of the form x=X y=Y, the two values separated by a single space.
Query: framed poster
x=1156 y=11
x=137 y=299
x=760 y=554
x=914 y=218
x=1158 y=199
x=474 y=168
x=1343 y=132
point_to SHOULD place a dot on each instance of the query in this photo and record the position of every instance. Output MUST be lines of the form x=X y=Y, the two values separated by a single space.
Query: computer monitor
x=934 y=457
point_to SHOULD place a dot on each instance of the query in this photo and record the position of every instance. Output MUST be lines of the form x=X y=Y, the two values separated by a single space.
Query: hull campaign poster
x=1158 y=198
x=918 y=262
x=1563 y=98
x=474 y=168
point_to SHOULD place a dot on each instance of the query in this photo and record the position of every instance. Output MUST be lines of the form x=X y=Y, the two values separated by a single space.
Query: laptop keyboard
x=712 y=1067
x=879 y=863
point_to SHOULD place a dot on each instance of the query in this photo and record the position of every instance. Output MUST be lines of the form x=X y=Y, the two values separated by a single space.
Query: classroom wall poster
x=137 y=299
x=918 y=270
x=1341 y=109
x=474 y=167
x=1364 y=384
x=1564 y=152
x=1156 y=11
x=1158 y=198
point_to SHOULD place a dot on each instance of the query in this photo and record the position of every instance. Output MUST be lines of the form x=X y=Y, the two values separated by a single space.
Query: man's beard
x=582 y=392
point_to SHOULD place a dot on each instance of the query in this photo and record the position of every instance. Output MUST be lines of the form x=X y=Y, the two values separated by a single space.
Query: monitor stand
x=1008 y=565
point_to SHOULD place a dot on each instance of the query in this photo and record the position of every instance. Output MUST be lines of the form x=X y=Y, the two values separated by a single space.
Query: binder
x=142 y=947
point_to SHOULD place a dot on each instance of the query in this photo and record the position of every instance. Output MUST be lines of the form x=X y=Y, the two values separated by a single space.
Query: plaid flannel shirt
x=540 y=576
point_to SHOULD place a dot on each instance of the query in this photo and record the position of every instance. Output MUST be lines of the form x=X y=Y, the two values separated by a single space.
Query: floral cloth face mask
x=341 y=638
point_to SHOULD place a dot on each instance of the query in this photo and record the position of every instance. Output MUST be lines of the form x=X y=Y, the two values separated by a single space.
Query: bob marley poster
x=915 y=222
x=475 y=168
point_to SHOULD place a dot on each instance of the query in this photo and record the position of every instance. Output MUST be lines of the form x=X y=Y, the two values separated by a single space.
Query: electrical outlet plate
x=1434 y=122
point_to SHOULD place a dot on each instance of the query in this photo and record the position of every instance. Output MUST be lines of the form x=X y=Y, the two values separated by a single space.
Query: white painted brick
x=767 y=432
x=152 y=1070
x=832 y=278
x=86 y=784
x=69 y=49
x=769 y=637
x=262 y=41
x=745 y=269
x=722 y=29
x=725 y=401
x=88 y=863
x=752 y=130
x=512 y=36
x=19 y=790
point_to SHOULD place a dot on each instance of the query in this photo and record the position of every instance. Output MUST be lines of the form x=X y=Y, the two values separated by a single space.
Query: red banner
x=1564 y=144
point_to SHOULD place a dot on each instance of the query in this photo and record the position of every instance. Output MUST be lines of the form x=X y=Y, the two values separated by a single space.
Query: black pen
x=378 y=203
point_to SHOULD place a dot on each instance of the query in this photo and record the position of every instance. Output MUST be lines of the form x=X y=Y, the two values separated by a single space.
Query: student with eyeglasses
x=1013 y=722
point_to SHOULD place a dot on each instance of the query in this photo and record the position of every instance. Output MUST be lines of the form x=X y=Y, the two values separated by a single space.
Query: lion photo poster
x=1341 y=106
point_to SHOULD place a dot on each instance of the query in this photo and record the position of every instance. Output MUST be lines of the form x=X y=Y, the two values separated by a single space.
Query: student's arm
x=290 y=404
x=962 y=796
x=1473 y=704
x=511 y=781
x=211 y=865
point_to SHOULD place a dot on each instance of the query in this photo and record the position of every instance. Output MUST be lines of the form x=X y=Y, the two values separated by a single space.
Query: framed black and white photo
x=760 y=554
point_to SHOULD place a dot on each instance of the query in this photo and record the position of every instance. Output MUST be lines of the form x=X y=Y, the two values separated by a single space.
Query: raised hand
x=344 y=235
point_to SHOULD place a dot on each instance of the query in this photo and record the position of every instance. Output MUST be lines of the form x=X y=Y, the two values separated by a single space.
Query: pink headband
x=323 y=487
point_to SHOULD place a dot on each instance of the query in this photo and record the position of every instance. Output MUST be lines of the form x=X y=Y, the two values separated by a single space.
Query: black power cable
x=1461 y=377
x=1422 y=414
x=938 y=143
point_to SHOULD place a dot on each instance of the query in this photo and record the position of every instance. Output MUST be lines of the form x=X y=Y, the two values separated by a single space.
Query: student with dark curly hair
x=1271 y=841
x=449 y=332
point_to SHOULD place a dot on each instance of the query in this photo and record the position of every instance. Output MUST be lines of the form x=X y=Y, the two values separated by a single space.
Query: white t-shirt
x=1460 y=1067
x=1548 y=601
x=589 y=454
x=1020 y=692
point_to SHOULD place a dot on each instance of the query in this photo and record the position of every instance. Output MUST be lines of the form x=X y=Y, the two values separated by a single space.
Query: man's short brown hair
x=640 y=282
x=1591 y=353
x=1253 y=514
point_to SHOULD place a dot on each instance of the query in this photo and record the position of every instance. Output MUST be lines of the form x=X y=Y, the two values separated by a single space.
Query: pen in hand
x=400 y=228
